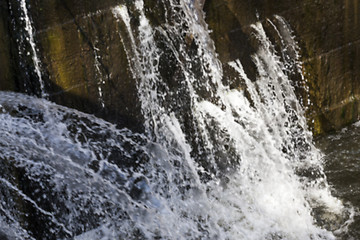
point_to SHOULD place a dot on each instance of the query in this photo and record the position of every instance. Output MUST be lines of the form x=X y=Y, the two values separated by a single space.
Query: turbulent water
x=341 y=162
x=213 y=162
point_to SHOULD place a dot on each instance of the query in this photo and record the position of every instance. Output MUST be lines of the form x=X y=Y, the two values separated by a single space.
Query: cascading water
x=30 y=38
x=101 y=80
x=213 y=162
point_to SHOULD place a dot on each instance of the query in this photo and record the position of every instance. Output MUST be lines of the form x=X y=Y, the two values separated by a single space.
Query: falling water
x=30 y=38
x=212 y=163
x=269 y=139
x=99 y=75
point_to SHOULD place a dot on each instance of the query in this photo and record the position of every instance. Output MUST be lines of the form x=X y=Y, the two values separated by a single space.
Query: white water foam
x=264 y=197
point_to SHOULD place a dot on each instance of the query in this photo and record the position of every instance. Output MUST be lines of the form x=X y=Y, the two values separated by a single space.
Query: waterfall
x=270 y=140
x=213 y=162
x=30 y=38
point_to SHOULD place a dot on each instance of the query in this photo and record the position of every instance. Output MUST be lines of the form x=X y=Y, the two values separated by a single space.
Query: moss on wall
x=62 y=71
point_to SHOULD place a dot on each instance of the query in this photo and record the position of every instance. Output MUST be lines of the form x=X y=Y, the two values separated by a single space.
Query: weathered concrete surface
x=329 y=36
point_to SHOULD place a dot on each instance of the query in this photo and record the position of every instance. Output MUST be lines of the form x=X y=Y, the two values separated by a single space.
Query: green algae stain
x=317 y=126
x=57 y=54
x=64 y=59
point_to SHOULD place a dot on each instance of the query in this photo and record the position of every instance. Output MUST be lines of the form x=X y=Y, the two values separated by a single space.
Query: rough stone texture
x=81 y=51
x=329 y=36
x=6 y=77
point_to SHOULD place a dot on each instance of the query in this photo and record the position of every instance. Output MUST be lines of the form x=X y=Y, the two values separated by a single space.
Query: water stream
x=34 y=52
x=341 y=159
x=213 y=162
